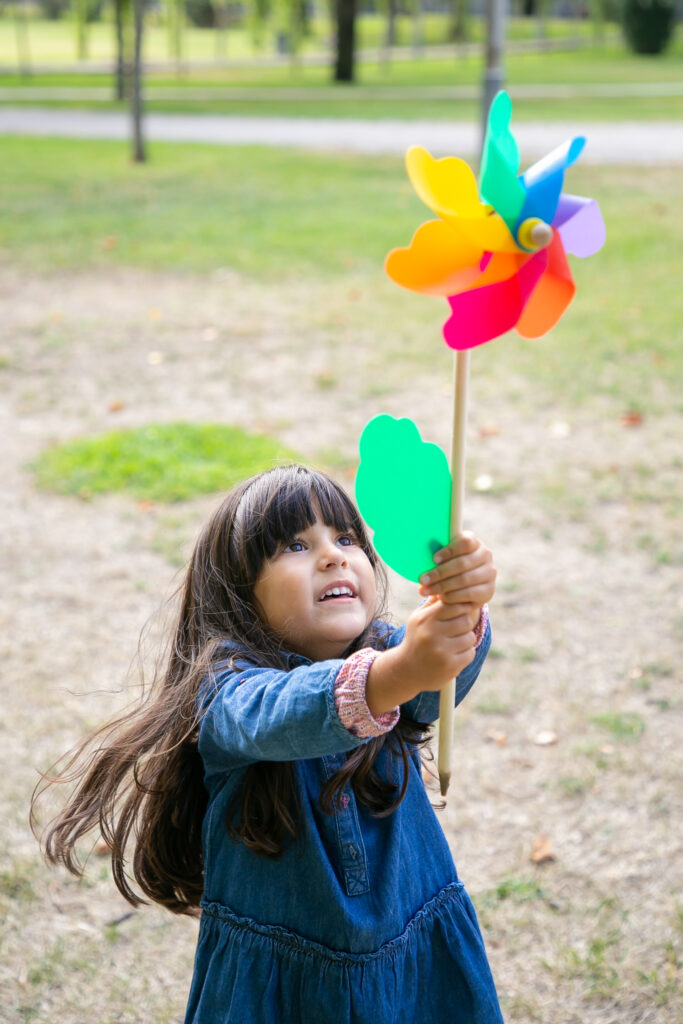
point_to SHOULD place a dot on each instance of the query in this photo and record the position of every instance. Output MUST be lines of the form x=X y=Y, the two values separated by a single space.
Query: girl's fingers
x=473 y=577
x=456 y=568
x=478 y=596
x=462 y=545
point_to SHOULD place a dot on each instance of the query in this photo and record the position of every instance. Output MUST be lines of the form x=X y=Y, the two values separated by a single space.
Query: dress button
x=352 y=851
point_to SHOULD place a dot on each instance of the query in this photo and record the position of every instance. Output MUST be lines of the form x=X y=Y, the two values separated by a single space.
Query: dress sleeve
x=264 y=714
x=349 y=698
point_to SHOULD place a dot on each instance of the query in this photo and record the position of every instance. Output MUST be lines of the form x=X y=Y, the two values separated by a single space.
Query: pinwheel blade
x=543 y=180
x=498 y=181
x=449 y=188
x=438 y=261
x=484 y=313
x=552 y=295
x=580 y=223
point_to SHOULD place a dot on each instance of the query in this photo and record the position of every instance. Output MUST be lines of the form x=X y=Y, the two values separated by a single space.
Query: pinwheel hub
x=534 y=234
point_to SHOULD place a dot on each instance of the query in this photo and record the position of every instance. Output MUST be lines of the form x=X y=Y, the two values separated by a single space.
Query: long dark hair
x=140 y=778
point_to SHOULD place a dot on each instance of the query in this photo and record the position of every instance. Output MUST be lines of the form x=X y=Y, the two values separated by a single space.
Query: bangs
x=282 y=503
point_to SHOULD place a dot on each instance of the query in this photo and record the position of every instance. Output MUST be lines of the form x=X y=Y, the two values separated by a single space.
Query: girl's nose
x=332 y=555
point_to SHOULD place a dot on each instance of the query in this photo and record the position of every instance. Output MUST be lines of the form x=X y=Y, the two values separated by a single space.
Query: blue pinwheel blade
x=543 y=180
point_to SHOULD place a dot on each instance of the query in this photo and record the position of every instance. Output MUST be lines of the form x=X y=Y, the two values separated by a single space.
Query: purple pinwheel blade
x=580 y=223
x=543 y=180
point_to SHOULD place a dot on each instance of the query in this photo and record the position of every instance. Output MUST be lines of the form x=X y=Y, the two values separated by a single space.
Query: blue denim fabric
x=362 y=920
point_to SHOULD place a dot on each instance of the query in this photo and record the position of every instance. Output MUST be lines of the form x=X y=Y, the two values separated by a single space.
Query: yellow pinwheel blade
x=448 y=187
x=438 y=261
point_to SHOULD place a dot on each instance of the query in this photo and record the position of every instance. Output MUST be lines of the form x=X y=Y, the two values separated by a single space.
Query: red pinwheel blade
x=552 y=295
x=481 y=314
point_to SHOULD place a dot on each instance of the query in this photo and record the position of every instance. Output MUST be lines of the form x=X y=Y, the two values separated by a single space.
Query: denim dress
x=362 y=920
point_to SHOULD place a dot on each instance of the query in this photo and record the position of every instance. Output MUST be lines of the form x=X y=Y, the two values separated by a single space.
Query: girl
x=273 y=776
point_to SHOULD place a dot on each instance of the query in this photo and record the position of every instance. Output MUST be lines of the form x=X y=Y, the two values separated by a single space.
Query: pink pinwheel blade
x=580 y=224
x=481 y=314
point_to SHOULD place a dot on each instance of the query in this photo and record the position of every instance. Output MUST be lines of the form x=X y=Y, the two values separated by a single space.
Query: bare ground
x=584 y=621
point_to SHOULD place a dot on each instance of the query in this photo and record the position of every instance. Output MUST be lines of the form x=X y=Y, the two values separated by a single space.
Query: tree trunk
x=120 y=14
x=459 y=27
x=346 y=41
x=418 y=28
x=81 y=14
x=23 y=47
x=390 y=39
x=139 y=155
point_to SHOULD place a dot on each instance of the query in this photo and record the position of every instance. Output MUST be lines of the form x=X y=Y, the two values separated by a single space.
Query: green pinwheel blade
x=403 y=490
x=498 y=181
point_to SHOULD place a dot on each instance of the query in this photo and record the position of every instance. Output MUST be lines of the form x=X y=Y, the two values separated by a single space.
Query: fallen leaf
x=110 y=242
x=497 y=737
x=145 y=506
x=116 y=405
x=545 y=738
x=632 y=418
x=489 y=430
x=56 y=316
x=541 y=851
x=354 y=294
x=154 y=358
x=154 y=313
x=101 y=848
x=209 y=334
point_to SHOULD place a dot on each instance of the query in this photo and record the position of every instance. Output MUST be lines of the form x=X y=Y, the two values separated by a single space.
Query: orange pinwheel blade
x=551 y=296
x=500 y=267
x=449 y=188
x=437 y=262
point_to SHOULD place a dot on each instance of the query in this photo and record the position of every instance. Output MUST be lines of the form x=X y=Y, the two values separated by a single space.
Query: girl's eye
x=346 y=540
x=294 y=545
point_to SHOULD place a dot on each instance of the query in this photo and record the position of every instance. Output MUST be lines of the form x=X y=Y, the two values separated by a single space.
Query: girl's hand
x=465 y=575
x=439 y=643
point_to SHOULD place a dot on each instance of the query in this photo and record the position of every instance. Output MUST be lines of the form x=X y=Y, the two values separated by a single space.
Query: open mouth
x=338 y=592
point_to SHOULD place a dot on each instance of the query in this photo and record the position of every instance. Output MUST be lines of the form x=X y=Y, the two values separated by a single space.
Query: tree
x=458 y=30
x=122 y=28
x=648 y=24
x=344 y=68
x=139 y=155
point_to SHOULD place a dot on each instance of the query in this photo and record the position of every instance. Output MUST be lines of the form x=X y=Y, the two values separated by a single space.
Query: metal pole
x=494 y=78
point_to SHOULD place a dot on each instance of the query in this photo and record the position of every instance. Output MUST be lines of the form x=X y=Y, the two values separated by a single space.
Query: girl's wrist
x=388 y=685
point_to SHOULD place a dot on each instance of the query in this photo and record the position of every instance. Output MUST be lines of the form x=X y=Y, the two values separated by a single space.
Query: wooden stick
x=447 y=698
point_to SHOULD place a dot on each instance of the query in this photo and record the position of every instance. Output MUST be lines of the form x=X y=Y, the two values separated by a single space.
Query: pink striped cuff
x=349 y=698
x=480 y=628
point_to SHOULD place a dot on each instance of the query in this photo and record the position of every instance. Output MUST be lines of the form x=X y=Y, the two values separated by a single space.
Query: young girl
x=273 y=776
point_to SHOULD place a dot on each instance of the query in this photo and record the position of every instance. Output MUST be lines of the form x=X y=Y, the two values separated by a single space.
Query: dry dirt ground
x=584 y=624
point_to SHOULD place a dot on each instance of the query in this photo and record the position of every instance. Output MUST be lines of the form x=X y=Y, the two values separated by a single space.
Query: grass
x=625 y=727
x=160 y=462
x=69 y=204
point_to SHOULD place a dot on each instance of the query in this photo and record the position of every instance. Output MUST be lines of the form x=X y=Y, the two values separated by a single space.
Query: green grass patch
x=160 y=462
x=515 y=889
x=626 y=727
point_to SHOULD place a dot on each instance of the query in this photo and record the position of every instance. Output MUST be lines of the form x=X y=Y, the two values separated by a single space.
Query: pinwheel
x=498 y=254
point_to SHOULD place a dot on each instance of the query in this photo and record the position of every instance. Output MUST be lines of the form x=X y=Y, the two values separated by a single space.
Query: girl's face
x=318 y=591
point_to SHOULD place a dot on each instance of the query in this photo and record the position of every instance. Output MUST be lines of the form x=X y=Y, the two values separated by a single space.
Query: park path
x=625 y=142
